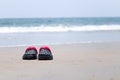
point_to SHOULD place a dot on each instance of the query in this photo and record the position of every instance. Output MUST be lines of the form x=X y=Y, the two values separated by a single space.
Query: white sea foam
x=59 y=28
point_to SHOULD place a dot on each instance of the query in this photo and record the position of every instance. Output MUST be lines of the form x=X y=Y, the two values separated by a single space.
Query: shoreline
x=60 y=44
x=98 y=61
x=26 y=39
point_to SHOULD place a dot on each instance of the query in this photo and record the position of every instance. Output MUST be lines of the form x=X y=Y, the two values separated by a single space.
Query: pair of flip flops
x=44 y=53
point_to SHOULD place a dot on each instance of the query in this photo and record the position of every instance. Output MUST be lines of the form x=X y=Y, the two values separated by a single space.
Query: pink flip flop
x=30 y=53
x=45 y=53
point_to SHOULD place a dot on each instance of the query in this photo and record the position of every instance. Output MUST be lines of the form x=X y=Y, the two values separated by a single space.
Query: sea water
x=45 y=31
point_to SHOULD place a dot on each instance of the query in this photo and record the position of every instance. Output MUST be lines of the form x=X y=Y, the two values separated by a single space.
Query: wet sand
x=85 y=61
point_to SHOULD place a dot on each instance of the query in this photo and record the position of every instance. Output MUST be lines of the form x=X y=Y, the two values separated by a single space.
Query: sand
x=85 y=61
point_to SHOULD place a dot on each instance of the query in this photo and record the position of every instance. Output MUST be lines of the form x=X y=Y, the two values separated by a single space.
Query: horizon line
x=58 y=17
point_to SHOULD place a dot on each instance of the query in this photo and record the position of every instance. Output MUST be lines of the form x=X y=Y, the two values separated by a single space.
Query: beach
x=83 y=48
x=84 y=61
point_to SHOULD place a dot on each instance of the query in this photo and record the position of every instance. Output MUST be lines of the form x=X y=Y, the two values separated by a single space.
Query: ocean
x=47 y=31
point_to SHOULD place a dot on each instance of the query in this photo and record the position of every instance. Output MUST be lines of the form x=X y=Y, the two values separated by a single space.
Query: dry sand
x=87 y=61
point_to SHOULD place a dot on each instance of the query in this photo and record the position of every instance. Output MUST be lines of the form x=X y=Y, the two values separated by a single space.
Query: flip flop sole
x=29 y=56
x=45 y=57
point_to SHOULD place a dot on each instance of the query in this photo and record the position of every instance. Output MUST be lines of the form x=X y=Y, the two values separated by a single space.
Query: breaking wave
x=59 y=28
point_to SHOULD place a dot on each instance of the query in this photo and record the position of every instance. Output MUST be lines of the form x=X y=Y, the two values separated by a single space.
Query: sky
x=59 y=8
